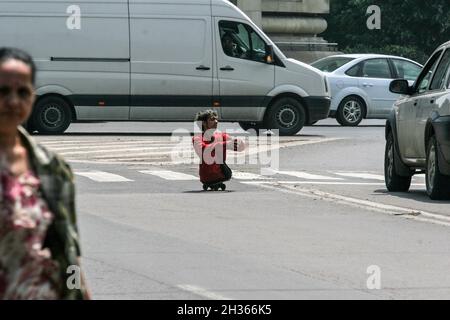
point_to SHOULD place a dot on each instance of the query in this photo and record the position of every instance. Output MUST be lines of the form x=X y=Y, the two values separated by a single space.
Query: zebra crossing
x=251 y=178
x=160 y=150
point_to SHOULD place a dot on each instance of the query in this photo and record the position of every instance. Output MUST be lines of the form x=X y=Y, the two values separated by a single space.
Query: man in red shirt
x=211 y=146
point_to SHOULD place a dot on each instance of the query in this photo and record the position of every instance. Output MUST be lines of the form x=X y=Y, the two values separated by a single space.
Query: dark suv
x=418 y=129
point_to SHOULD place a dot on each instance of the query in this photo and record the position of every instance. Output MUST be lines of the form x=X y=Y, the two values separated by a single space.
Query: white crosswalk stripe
x=305 y=175
x=170 y=175
x=253 y=178
x=239 y=175
x=359 y=175
x=101 y=176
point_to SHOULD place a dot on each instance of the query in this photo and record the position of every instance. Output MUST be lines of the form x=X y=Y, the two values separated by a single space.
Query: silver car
x=360 y=84
x=418 y=129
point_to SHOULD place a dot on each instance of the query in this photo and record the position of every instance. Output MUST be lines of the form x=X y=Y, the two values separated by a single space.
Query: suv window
x=376 y=68
x=406 y=70
x=424 y=79
x=241 y=41
x=448 y=81
x=441 y=72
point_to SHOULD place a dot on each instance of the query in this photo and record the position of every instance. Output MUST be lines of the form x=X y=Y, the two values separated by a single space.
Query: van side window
x=441 y=72
x=241 y=41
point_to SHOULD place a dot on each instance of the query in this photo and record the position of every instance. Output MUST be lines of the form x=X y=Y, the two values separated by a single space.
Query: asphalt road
x=316 y=228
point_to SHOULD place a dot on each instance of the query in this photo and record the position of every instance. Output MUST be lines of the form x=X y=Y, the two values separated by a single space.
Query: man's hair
x=203 y=116
x=18 y=54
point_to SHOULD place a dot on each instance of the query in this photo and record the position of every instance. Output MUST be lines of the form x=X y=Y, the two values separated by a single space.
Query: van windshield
x=331 y=64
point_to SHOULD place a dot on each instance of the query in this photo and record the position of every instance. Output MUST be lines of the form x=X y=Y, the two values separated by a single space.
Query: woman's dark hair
x=17 y=54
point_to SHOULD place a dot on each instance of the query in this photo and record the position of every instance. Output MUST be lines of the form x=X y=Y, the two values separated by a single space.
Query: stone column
x=253 y=9
x=294 y=25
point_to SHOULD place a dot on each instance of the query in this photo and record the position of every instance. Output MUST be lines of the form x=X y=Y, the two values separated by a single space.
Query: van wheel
x=287 y=115
x=394 y=182
x=249 y=125
x=351 y=111
x=51 y=115
x=438 y=185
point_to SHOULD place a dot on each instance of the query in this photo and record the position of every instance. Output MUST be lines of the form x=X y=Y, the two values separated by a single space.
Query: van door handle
x=415 y=103
x=203 y=68
x=365 y=84
x=227 y=68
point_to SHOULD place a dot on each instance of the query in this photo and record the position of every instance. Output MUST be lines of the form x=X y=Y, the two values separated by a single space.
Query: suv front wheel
x=438 y=185
x=394 y=182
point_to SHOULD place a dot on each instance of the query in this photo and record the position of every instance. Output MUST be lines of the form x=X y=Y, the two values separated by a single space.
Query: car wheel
x=351 y=111
x=394 y=182
x=287 y=115
x=438 y=185
x=51 y=115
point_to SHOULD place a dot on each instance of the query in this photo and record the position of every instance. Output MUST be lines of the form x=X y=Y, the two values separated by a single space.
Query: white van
x=159 y=60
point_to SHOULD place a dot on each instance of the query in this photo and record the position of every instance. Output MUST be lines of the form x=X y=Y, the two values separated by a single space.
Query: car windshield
x=331 y=64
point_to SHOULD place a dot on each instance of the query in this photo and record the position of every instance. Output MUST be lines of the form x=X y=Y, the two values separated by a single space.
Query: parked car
x=360 y=84
x=162 y=60
x=418 y=129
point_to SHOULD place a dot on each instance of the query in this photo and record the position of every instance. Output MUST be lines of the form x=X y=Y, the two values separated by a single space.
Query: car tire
x=394 y=182
x=438 y=184
x=351 y=111
x=287 y=115
x=51 y=115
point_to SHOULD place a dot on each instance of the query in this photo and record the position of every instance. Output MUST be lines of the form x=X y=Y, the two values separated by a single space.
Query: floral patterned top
x=27 y=270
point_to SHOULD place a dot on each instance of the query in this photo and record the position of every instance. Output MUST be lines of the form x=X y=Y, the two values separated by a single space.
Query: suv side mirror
x=400 y=86
x=270 y=55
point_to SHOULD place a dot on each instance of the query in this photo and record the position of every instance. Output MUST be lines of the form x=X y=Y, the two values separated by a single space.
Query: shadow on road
x=339 y=126
x=211 y=192
x=416 y=195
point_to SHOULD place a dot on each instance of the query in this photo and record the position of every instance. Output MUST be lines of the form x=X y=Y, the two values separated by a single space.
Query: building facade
x=294 y=25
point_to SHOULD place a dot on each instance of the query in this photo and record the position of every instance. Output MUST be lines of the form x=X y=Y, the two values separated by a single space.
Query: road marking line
x=240 y=175
x=170 y=175
x=100 y=142
x=327 y=183
x=100 y=176
x=202 y=292
x=120 y=145
x=110 y=150
x=304 y=175
x=276 y=146
x=407 y=213
x=359 y=175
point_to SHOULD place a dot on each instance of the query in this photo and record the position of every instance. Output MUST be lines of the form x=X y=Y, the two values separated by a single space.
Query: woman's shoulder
x=42 y=157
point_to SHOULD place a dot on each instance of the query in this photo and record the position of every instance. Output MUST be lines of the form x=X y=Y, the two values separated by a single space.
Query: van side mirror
x=400 y=86
x=270 y=55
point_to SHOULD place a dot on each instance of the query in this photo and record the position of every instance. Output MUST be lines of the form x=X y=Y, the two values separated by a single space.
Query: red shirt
x=212 y=154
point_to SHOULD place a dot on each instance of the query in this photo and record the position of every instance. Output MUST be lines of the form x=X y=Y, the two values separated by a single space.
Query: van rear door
x=171 y=60
x=81 y=51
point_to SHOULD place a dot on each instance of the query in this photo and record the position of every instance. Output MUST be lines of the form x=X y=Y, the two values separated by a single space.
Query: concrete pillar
x=253 y=8
x=294 y=25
